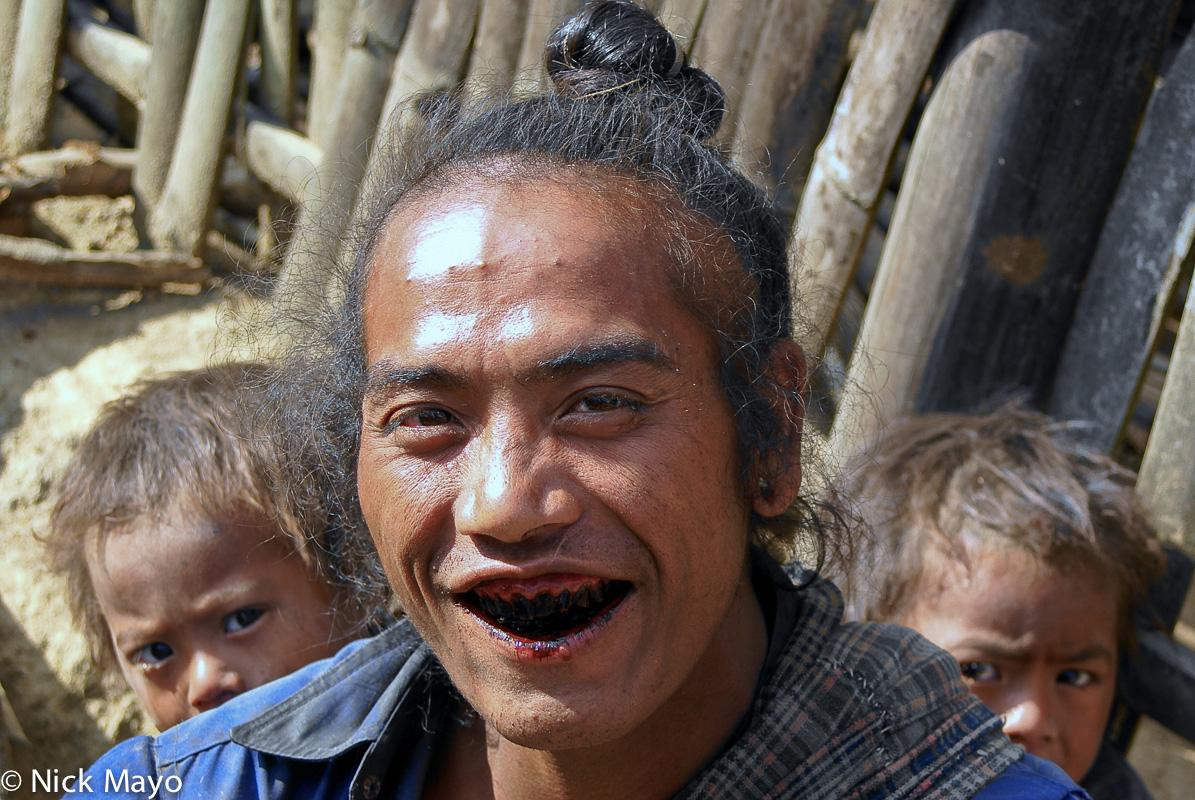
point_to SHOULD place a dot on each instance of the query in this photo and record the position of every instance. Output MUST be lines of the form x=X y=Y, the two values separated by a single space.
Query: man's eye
x=1078 y=678
x=152 y=654
x=605 y=402
x=979 y=672
x=423 y=418
x=241 y=619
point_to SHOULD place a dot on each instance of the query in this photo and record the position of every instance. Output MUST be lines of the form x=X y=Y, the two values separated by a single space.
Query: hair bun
x=612 y=45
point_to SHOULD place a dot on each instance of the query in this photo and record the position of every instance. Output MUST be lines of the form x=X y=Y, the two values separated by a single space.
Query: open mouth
x=545 y=610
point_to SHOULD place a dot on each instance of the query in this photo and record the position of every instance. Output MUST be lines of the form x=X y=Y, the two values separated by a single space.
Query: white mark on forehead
x=448 y=241
x=518 y=324
x=437 y=329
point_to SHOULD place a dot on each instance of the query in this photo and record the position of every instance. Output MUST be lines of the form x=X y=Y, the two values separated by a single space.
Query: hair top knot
x=615 y=46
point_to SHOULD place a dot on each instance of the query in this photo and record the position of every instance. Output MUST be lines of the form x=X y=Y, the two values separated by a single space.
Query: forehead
x=1006 y=591
x=516 y=256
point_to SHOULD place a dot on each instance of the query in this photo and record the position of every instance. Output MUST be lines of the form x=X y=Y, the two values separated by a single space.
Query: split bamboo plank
x=178 y=22
x=800 y=59
x=682 y=18
x=177 y=222
x=31 y=89
x=851 y=165
x=434 y=52
x=935 y=212
x=725 y=46
x=1148 y=234
x=495 y=57
x=285 y=160
x=279 y=33
x=37 y=261
x=10 y=17
x=1062 y=150
x=328 y=41
x=119 y=59
x=1166 y=483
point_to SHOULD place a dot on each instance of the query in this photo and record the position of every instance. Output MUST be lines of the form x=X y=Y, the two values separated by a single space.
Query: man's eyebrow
x=589 y=356
x=385 y=376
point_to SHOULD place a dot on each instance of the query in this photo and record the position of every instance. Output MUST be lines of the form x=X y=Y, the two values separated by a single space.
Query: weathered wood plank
x=935 y=214
x=499 y=40
x=847 y=178
x=10 y=18
x=37 y=261
x=800 y=60
x=434 y=52
x=542 y=19
x=1061 y=150
x=725 y=46
x=1166 y=482
x=1149 y=232
x=285 y=160
x=80 y=169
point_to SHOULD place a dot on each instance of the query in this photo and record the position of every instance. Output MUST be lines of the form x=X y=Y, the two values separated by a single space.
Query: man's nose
x=213 y=682
x=1031 y=721
x=513 y=485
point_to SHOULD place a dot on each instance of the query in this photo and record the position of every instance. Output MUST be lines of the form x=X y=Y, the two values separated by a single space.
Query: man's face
x=1037 y=645
x=547 y=461
x=201 y=611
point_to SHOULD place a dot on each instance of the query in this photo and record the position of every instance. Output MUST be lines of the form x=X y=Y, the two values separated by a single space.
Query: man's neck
x=655 y=760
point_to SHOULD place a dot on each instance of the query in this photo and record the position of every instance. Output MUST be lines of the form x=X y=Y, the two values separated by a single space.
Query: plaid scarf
x=855 y=710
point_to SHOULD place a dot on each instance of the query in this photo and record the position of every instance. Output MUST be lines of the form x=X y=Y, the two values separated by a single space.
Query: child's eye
x=241 y=619
x=1078 y=678
x=152 y=654
x=979 y=672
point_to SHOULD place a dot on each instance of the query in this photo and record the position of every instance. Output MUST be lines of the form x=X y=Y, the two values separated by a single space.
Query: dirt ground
x=61 y=357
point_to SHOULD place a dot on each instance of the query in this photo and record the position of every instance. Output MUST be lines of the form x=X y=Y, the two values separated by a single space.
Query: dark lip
x=473 y=578
x=545 y=647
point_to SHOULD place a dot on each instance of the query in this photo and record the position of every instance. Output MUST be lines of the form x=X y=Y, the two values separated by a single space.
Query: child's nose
x=1031 y=723
x=213 y=682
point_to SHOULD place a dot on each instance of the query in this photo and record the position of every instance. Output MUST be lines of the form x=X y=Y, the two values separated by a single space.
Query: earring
x=765 y=489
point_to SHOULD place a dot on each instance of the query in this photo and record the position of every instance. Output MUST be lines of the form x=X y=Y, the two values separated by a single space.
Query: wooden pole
x=800 y=59
x=378 y=29
x=851 y=166
x=282 y=158
x=935 y=213
x=1166 y=482
x=1137 y=263
x=495 y=57
x=178 y=22
x=434 y=52
x=10 y=18
x=1062 y=150
x=279 y=57
x=178 y=221
x=144 y=12
x=119 y=59
x=724 y=48
x=31 y=89
x=328 y=40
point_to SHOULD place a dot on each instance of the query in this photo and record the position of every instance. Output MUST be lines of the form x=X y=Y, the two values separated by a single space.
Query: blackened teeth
x=548 y=616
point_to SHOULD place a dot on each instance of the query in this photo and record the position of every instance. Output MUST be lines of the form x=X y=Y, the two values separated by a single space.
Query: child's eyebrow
x=1004 y=649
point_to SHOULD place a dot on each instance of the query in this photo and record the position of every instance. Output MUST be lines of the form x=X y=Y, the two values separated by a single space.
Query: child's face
x=200 y=612
x=1036 y=644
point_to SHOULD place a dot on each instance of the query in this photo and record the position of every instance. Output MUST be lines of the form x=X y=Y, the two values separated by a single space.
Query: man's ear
x=777 y=473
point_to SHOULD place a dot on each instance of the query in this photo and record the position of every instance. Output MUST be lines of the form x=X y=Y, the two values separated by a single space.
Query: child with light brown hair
x=189 y=566
x=1006 y=541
